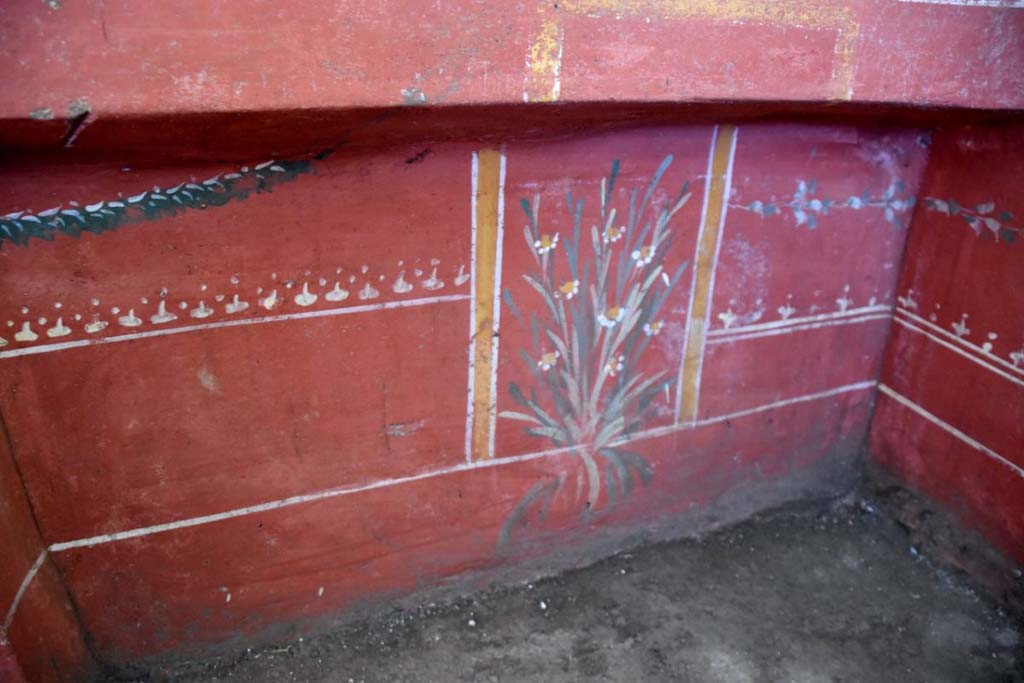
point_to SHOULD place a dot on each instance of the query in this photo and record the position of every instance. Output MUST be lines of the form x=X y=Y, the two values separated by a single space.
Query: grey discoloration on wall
x=41 y=114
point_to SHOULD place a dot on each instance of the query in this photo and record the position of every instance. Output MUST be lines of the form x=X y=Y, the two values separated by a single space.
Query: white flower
x=654 y=328
x=569 y=289
x=615 y=365
x=611 y=317
x=613 y=234
x=643 y=256
x=546 y=243
x=548 y=360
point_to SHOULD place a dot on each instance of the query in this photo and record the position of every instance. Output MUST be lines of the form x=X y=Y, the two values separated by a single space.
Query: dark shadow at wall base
x=935 y=533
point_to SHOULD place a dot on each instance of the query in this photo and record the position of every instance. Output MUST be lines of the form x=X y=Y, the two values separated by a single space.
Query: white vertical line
x=556 y=87
x=22 y=588
x=693 y=276
x=496 y=315
x=942 y=424
x=727 y=187
x=474 y=177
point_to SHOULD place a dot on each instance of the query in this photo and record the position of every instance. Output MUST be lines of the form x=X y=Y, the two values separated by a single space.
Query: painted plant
x=808 y=205
x=602 y=298
x=74 y=219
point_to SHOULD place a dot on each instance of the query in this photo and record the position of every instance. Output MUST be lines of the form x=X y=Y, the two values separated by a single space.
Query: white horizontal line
x=960 y=340
x=1004 y=4
x=796 y=328
x=48 y=348
x=22 y=588
x=973 y=443
x=659 y=431
x=294 y=500
x=956 y=349
x=477 y=464
x=789 y=322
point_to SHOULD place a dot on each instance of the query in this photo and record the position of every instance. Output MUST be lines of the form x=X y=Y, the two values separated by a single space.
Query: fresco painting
x=473 y=356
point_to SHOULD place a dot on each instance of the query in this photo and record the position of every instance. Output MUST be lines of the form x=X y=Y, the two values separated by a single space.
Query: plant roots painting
x=602 y=294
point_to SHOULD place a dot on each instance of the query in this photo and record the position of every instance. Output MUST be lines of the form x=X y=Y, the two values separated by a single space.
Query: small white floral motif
x=653 y=329
x=270 y=301
x=236 y=305
x=368 y=292
x=786 y=310
x=336 y=294
x=844 y=301
x=432 y=282
x=611 y=317
x=548 y=360
x=643 y=256
x=461 y=277
x=201 y=311
x=728 y=318
x=613 y=234
x=615 y=365
x=59 y=329
x=95 y=325
x=162 y=315
x=568 y=289
x=546 y=243
x=401 y=286
x=26 y=334
x=960 y=327
x=129 y=320
x=305 y=298
x=908 y=300
x=987 y=346
x=1017 y=358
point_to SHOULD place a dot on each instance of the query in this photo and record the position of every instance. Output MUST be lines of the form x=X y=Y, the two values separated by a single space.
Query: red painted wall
x=204 y=471
x=950 y=417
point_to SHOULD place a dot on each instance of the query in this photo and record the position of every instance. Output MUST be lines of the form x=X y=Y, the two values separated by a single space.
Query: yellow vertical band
x=488 y=188
x=704 y=264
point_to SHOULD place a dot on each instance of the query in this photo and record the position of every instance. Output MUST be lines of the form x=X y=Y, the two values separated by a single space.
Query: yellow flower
x=652 y=329
x=610 y=317
x=548 y=360
x=643 y=256
x=613 y=234
x=569 y=289
x=546 y=243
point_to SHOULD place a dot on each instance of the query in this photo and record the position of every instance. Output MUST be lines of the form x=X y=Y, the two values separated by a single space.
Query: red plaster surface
x=173 y=587
x=43 y=639
x=116 y=436
x=952 y=271
x=130 y=58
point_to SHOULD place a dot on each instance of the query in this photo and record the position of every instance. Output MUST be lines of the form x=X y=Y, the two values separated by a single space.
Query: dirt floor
x=811 y=593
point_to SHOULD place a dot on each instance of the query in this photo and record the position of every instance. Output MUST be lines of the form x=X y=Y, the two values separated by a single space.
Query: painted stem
x=593 y=477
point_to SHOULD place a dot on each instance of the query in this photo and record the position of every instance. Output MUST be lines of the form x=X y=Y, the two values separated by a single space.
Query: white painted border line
x=997 y=4
x=474 y=181
x=956 y=349
x=797 y=328
x=463 y=467
x=960 y=340
x=726 y=190
x=365 y=308
x=668 y=429
x=789 y=322
x=22 y=588
x=973 y=443
x=499 y=244
x=693 y=268
x=295 y=500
